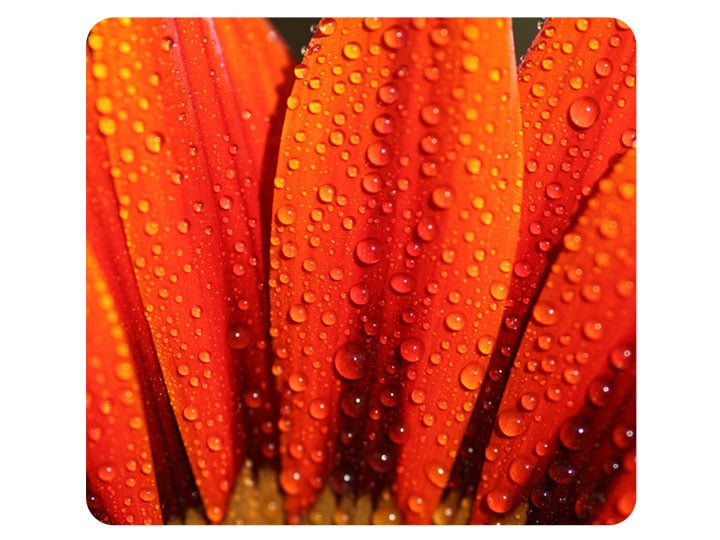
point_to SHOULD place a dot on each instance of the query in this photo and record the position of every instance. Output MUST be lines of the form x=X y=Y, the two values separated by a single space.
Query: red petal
x=574 y=66
x=185 y=128
x=574 y=373
x=396 y=215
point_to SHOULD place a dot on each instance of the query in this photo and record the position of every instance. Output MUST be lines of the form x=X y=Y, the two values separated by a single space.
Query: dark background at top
x=296 y=32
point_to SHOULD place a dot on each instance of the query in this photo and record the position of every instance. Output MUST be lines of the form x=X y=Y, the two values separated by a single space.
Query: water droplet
x=498 y=501
x=350 y=361
x=593 y=329
x=286 y=214
x=583 y=112
x=372 y=183
x=499 y=290
x=561 y=471
x=352 y=50
x=472 y=375
x=297 y=381
x=298 y=313
x=384 y=124
x=511 y=423
x=529 y=401
x=190 y=413
x=443 y=197
x=196 y=312
x=628 y=138
x=107 y=472
x=412 y=349
x=318 y=409
x=470 y=62
x=573 y=433
x=327 y=26
x=621 y=358
x=426 y=229
x=353 y=403
x=455 y=321
x=520 y=471
x=359 y=294
x=438 y=474
x=378 y=153
x=402 y=283
x=430 y=144
x=395 y=37
x=388 y=93
x=431 y=114
x=599 y=391
x=369 y=250
x=544 y=313
x=603 y=67
x=291 y=481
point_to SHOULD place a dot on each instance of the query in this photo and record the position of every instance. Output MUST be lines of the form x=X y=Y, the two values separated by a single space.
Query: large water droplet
x=499 y=501
x=350 y=361
x=379 y=153
x=395 y=37
x=583 y=112
x=412 y=349
x=511 y=423
x=369 y=250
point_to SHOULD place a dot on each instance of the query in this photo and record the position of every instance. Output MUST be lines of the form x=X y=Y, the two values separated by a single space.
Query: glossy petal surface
x=574 y=374
x=396 y=214
x=184 y=128
x=577 y=88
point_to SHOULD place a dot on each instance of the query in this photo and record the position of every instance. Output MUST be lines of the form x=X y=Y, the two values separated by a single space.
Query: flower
x=392 y=283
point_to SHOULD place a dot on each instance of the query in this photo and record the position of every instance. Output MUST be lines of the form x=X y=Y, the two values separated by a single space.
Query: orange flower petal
x=185 y=129
x=396 y=213
x=115 y=472
x=574 y=373
x=577 y=87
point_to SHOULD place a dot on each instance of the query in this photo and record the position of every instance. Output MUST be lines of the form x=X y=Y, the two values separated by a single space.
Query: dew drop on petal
x=379 y=153
x=498 y=501
x=350 y=361
x=471 y=376
x=544 y=313
x=455 y=321
x=412 y=349
x=395 y=37
x=368 y=250
x=583 y=112
x=511 y=423
x=359 y=294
